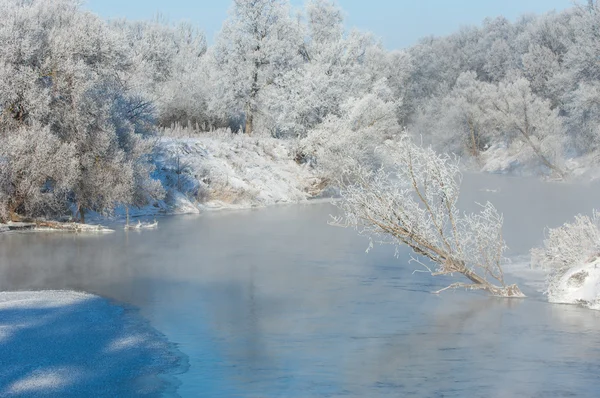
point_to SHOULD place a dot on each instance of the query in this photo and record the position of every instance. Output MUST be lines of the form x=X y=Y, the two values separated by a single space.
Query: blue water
x=276 y=303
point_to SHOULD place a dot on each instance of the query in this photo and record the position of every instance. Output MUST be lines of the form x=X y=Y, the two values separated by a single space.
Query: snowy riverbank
x=54 y=226
x=580 y=285
x=223 y=170
x=219 y=170
x=63 y=343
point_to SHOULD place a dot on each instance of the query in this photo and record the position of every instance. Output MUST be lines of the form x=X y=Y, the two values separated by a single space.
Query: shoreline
x=72 y=227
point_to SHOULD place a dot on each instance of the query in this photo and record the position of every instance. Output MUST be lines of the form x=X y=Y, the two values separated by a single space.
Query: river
x=276 y=303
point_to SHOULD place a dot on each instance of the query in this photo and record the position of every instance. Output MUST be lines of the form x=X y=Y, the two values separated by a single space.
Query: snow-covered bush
x=413 y=201
x=340 y=144
x=36 y=172
x=570 y=256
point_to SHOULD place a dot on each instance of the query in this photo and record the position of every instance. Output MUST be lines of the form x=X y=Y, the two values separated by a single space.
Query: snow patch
x=63 y=343
x=41 y=300
x=126 y=343
x=579 y=285
x=225 y=170
x=42 y=381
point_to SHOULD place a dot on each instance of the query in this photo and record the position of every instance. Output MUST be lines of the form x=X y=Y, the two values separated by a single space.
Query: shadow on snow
x=82 y=347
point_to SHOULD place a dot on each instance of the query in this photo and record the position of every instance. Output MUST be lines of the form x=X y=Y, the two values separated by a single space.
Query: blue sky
x=399 y=23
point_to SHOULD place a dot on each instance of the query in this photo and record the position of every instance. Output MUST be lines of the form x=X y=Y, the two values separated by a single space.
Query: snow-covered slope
x=224 y=170
x=579 y=285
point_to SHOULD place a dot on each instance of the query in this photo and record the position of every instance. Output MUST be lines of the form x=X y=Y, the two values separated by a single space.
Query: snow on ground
x=55 y=227
x=579 y=285
x=585 y=168
x=517 y=159
x=60 y=343
x=223 y=170
x=499 y=160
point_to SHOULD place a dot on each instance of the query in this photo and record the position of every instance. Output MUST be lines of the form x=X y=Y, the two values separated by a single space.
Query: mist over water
x=274 y=302
x=529 y=205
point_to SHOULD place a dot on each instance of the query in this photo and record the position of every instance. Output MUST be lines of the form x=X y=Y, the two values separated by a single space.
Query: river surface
x=276 y=303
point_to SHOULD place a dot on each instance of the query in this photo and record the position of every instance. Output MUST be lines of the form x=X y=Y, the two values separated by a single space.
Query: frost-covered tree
x=413 y=201
x=341 y=144
x=575 y=85
x=37 y=172
x=522 y=115
x=257 y=45
x=338 y=65
x=460 y=122
x=314 y=89
x=63 y=77
x=500 y=60
x=540 y=65
x=168 y=68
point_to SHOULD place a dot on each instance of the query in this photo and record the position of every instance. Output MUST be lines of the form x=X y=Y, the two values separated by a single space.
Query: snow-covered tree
x=575 y=85
x=460 y=122
x=257 y=45
x=169 y=68
x=337 y=66
x=342 y=143
x=522 y=115
x=413 y=201
x=540 y=65
x=62 y=76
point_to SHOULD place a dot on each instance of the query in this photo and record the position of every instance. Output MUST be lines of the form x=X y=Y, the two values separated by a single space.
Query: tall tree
x=522 y=115
x=257 y=45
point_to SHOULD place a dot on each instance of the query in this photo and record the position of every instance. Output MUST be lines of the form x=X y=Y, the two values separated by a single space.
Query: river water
x=276 y=303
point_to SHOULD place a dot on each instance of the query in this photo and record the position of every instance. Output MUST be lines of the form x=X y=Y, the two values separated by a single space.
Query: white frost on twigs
x=412 y=201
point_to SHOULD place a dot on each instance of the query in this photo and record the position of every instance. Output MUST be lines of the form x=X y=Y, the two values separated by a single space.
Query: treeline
x=82 y=99
x=531 y=86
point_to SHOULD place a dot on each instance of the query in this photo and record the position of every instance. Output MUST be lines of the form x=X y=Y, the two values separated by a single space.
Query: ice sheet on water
x=76 y=344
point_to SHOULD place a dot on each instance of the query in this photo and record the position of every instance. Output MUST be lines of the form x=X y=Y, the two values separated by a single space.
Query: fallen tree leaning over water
x=412 y=201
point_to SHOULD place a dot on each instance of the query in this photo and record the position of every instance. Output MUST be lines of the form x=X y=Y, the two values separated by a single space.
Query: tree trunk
x=473 y=137
x=500 y=291
x=539 y=153
x=13 y=206
x=253 y=95
x=81 y=212
x=249 y=120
